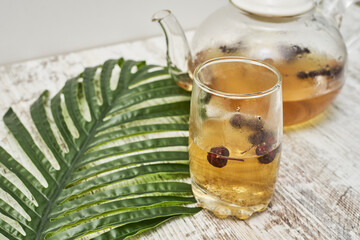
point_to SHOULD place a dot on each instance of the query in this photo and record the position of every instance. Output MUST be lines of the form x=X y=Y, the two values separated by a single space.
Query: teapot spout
x=178 y=53
x=335 y=9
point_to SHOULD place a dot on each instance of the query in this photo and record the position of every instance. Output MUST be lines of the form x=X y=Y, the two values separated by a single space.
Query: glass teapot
x=299 y=37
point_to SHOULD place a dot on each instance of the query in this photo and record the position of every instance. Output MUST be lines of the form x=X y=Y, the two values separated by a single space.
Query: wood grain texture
x=318 y=190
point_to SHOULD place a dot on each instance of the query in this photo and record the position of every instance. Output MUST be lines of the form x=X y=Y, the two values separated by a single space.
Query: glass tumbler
x=235 y=135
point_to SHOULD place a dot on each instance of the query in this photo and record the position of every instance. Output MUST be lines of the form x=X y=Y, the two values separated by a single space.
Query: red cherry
x=262 y=149
x=237 y=121
x=215 y=156
x=269 y=157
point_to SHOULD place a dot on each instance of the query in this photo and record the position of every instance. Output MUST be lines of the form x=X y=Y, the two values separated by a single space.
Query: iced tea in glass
x=235 y=135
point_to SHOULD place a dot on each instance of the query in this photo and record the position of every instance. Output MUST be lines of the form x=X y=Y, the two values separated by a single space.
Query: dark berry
x=302 y=75
x=218 y=156
x=324 y=72
x=257 y=137
x=255 y=124
x=262 y=136
x=269 y=157
x=226 y=49
x=262 y=149
x=223 y=48
x=296 y=49
x=290 y=53
x=270 y=139
x=336 y=71
x=313 y=74
x=332 y=72
x=306 y=50
x=237 y=121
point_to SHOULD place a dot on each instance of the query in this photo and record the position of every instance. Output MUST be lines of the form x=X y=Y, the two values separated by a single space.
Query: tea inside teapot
x=305 y=46
x=310 y=80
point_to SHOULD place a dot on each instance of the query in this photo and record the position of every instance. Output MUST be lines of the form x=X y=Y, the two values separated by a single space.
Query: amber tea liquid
x=245 y=184
x=310 y=84
x=235 y=135
x=311 y=81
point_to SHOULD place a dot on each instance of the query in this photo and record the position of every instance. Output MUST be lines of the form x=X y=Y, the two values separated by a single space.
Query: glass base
x=223 y=209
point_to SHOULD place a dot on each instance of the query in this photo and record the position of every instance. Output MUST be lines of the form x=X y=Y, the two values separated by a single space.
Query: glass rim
x=209 y=62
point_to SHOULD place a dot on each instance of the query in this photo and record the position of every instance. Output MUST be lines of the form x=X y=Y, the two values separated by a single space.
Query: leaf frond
x=108 y=160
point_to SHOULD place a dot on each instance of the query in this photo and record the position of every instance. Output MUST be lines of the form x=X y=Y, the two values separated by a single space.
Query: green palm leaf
x=110 y=161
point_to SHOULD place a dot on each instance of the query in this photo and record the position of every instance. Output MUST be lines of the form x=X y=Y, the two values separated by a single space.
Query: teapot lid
x=275 y=8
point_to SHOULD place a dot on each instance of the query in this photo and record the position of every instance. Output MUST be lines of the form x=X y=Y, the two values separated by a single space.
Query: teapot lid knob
x=275 y=8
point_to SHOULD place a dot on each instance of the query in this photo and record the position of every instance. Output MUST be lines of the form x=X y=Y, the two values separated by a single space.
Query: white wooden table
x=318 y=190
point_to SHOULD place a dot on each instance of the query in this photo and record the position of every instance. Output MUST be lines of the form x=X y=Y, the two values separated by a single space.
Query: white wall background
x=36 y=28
